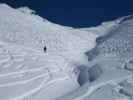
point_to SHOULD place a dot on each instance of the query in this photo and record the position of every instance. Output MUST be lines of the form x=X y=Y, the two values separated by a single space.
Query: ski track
x=44 y=72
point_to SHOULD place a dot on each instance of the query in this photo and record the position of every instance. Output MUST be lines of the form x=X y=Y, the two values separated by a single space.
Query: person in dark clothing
x=45 y=48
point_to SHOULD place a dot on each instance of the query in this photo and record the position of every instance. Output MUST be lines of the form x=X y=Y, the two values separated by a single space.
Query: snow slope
x=28 y=72
x=110 y=64
x=25 y=65
x=43 y=33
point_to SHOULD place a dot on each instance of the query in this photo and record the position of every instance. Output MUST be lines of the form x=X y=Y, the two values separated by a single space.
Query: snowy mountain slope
x=112 y=52
x=30 y=72
x=54 y=37
x=89 y=88
x=26 y=68
x=107 y=93
x=40 y=60
x=104 y=28
x=116 y=48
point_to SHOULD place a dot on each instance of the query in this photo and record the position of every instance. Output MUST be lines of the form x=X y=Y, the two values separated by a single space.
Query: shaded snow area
x=40 y=60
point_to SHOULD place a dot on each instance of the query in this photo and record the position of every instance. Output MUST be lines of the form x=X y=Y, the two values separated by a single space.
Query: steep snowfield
x=21 y=26
x=26 y=71
x=40 y=60
x=110 y=63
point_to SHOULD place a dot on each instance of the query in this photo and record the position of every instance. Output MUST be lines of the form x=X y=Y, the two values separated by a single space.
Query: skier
x=45 y=48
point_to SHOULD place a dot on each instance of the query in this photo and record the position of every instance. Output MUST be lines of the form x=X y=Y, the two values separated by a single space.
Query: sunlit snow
x=40 y=60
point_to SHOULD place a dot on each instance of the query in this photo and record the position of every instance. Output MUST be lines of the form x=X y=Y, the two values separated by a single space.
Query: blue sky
x=77 y=13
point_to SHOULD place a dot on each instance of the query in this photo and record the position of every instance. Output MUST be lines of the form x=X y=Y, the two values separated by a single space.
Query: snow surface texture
x=40 y=60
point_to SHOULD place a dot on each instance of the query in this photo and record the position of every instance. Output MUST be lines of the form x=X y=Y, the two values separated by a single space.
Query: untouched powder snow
x=40 y=60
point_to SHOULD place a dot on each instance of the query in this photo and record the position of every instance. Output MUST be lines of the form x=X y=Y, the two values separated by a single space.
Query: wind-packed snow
x=40 y=60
